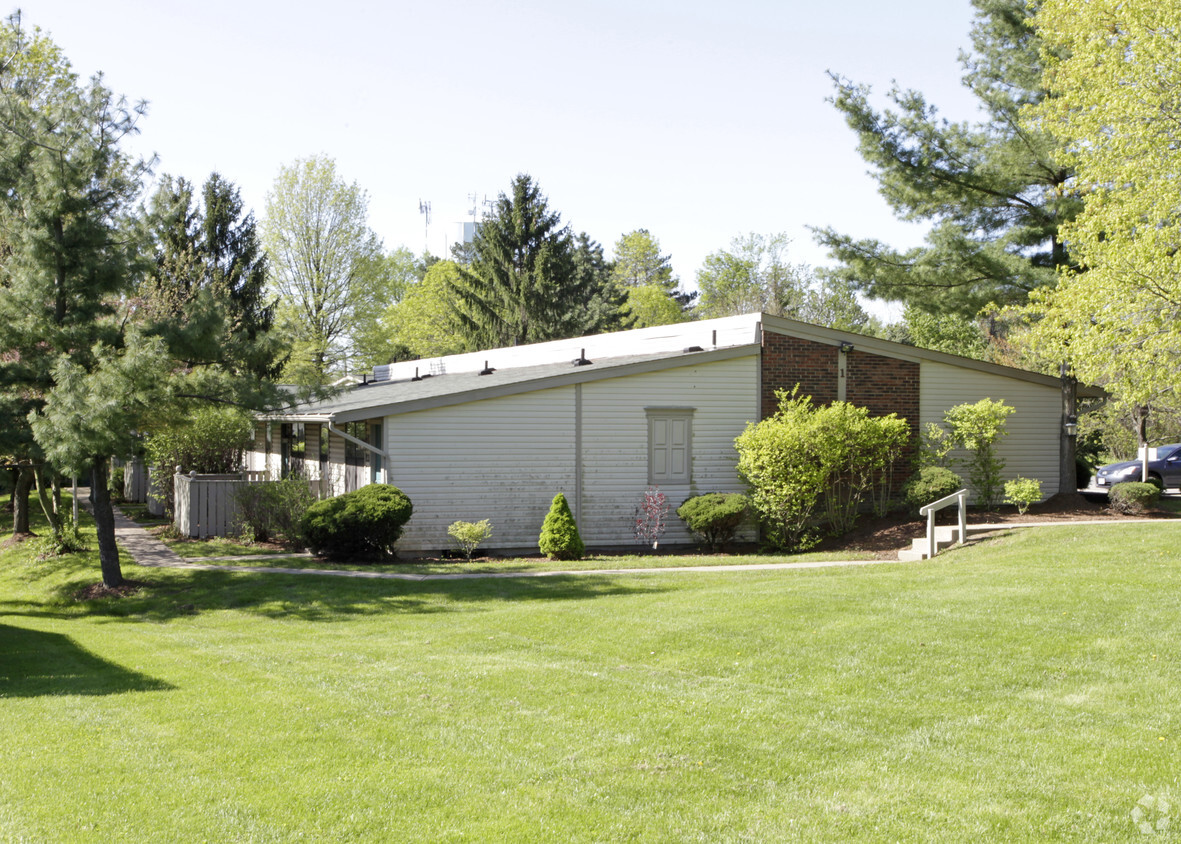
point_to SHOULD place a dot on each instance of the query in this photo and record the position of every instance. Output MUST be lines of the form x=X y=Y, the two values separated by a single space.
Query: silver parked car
x=1164 y=470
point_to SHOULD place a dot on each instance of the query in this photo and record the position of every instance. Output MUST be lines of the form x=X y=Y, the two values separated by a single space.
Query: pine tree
x=212 y=246
x=522 y=285
x=994 y=192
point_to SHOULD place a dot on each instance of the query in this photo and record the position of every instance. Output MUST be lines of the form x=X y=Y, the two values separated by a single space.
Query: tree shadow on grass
x=175 y=593
x=34 y=663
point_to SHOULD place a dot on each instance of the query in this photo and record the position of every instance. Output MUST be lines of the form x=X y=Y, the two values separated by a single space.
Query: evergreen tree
x=66 y=190
x=994 y=192
x=639 y=265
x=522 y=285
x=602 y=300
x=211 y=246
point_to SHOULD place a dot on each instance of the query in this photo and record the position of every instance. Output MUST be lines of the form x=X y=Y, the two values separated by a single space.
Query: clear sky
x=698 y=121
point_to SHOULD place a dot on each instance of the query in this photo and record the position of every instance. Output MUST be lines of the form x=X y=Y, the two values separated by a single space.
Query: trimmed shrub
x=363 y=524
x=805 y=459
x=1022 y=492
x=273 y=508
x=469 y=535
x=715 y=516
x=559 y=534
x=930 y=484
x=1132 y=498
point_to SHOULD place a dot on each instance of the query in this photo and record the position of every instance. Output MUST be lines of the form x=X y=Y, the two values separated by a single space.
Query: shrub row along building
x=495 y=434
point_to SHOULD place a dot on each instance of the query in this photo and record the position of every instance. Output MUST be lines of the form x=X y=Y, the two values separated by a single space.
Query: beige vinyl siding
x=1030 y=448
x=501 y=459
x=504 y=459
x=615 y=419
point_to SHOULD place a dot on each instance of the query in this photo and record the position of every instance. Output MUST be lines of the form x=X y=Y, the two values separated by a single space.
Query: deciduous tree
x=1117 y=83
x=326 y=263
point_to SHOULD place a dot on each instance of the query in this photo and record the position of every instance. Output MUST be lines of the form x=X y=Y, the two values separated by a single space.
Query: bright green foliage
x=363 y=524
x=274 y=508
x=652 y=305
x=715 y=516
x=374 y=345
x=977 y=428
x=559 y=534
x=929 y=484
x=426 y=320
x=1022 y=493
x=210 y=440
x=953 y=333
x=805 y=459
x=469 y=535
x=753 y=274
x=522 y=285
x=1133 y=497
x=993 y=192
x=328 y=269
x=638 y=262
x=1116 y=108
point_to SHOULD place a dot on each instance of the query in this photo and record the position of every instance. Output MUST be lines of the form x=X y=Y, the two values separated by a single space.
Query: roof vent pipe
x=581 y=360
x=487 y=370
x=715 y=343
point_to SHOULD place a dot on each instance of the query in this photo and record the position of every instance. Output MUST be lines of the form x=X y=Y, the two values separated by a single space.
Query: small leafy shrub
x=1023 y=492
x=929 y=484
x=559 y=534
x=469 y=535
x=651 y=517
x=68 y=540
x=361 y=524
x=168 y=533
x=715 y=516
x=273 y=508
x=1132 y=498
x=978 y=428
x=115 y=482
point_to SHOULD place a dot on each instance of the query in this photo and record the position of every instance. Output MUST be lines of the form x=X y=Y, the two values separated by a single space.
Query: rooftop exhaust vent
x=693 y=349
x=581 y=359
x=487 y=370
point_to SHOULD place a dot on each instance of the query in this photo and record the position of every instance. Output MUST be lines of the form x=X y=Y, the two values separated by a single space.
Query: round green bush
x=364 y=523
x=930 y=484
x=1132 y=497
x=559 y=534
x=715 y=516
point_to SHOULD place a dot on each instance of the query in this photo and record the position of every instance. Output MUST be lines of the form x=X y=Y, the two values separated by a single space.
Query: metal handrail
x=929 y=511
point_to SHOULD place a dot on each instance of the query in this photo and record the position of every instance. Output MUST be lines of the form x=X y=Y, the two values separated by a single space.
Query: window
x=670 y=445
x=292 y=449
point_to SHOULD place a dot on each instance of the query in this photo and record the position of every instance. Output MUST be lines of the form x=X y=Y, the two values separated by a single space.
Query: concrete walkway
x=147 y=550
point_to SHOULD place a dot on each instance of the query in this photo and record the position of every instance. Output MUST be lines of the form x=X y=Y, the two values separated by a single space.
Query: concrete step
x=945 y=537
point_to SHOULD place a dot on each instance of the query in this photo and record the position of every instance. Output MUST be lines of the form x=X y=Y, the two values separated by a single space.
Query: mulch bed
x=100 y=590
x=885 y=536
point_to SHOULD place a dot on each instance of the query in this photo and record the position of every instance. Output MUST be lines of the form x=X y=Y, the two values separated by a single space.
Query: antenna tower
x=424 y=208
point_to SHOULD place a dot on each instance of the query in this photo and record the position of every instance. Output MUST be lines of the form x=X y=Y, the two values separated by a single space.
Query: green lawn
x=1019 y=689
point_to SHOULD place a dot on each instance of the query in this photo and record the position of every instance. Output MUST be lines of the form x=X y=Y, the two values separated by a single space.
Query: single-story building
x=496 y=434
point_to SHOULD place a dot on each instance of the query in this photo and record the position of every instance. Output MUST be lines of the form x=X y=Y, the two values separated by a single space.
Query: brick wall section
x=884 y=385
x=788 y=361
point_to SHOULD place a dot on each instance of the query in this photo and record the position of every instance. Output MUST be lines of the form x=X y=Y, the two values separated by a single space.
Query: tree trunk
x=104 y=521
x=51 y=514
x=1067 y=444
x=20 y=501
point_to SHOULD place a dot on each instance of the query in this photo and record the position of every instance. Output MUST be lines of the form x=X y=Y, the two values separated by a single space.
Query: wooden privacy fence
x=135 y=480
x=205 y=505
